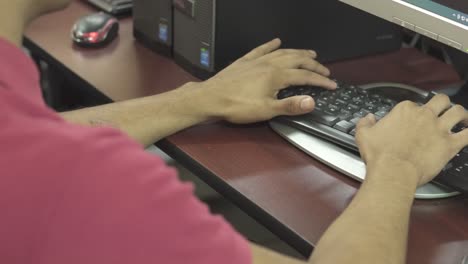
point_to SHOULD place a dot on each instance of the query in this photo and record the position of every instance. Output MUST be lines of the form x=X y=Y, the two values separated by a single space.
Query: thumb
x=296 y=105
x=366 y=122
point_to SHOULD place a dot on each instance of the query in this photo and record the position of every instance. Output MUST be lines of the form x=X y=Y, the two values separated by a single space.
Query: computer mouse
x=95 y=30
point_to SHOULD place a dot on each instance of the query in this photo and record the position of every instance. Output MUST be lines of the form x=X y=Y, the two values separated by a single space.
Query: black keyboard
x=337 y=113
x=114 y=7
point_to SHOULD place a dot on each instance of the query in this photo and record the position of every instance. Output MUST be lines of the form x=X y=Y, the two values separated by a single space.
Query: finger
x=453 y=116
x=315 y=66
x=290 y=52
x=296 y=105
x=263 y=50
x=297 y=62
x=438 y=104
x=366 y=122
x=460 y=139
x=296 y=77
x=361 y=128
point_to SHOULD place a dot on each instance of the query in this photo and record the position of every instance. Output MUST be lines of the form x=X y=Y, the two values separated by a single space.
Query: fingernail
x=307 y=104
x=313 y=53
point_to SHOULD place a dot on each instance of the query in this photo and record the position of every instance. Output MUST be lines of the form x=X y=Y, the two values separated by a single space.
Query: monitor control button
x=403 y=23
x=426 y=32
x=450 y=42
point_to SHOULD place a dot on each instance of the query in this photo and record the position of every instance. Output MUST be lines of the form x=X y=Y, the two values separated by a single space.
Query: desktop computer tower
x=153 y=24
x=211 y=34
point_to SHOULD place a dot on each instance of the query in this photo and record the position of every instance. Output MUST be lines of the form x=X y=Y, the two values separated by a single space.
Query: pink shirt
x=70 y=194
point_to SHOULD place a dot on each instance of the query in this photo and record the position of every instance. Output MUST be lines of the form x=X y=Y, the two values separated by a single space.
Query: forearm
x=374 y=228
x=148 y=119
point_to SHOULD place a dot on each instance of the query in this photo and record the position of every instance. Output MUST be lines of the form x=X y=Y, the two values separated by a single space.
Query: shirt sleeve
x=114 y=203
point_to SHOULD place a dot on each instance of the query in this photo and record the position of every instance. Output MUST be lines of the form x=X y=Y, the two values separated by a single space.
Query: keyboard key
x=333 y=105
x=459 y=171
x=319 y=100
x=299 y=90
x=344 y=126
x=389 y=102
x=313 y=93
x=345 y=115
x=361 y=97
x=381 y=113
x=358 y=102
x=332 y=111
x=328 y=99
x=340 y=101
x=374 y=101
x=320 y=105
x=344 y=111
x=345 y=97
x=328 y=93
x=340 y=105
x=355 y=120
x=362 y=113
x=352 y=108
x=362 y=91
x=348 y=92
x=378 y=118
x=323 y=118
x=370 y=107
x=353 y=132
x=385 y=108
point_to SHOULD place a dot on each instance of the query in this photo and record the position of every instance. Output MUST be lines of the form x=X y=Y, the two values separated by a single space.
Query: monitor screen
x=454 y=10
x=443 y=20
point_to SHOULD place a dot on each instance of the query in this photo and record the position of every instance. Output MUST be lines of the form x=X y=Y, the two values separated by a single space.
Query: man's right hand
x=419 y=136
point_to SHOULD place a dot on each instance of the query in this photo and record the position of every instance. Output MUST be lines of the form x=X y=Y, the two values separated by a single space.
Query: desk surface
x=293 y=195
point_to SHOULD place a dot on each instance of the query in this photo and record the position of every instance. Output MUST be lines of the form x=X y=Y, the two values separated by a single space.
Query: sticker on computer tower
x=205 y=57
x=163 y=32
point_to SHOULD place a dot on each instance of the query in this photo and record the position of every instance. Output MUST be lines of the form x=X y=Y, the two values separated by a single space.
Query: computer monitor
x=443 y=20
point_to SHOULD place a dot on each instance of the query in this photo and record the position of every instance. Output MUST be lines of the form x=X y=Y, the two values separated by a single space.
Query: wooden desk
x=293 y=195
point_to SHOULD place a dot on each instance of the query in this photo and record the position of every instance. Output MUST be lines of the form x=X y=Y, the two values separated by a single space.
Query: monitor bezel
x=397 y=11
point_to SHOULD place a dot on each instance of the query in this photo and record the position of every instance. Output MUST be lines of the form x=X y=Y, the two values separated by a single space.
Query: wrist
x=387 y=171
x=196 y=102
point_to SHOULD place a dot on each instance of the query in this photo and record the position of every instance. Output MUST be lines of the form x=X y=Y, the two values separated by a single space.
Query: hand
x=420 y=136
x=246 y=91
